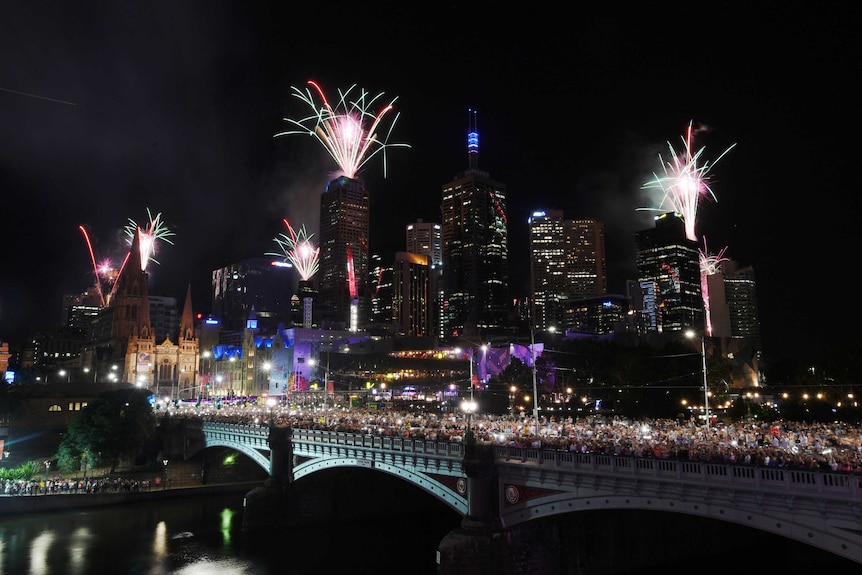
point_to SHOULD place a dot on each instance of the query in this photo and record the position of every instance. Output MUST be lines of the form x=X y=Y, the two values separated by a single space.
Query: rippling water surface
x=200 y=536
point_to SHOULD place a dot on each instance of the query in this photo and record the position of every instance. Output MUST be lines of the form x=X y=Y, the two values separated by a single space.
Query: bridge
x=502 y=487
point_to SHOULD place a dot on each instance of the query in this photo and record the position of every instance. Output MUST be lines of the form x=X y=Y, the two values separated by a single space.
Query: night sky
x=108 y=109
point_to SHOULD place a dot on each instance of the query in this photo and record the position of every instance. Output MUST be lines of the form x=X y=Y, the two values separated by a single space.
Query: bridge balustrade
x=801 y=481
x=381 y=442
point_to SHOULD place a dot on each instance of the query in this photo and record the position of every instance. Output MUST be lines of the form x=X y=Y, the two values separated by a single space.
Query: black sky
x=172 y=106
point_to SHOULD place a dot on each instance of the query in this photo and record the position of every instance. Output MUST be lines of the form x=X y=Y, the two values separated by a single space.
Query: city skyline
x=175 y=109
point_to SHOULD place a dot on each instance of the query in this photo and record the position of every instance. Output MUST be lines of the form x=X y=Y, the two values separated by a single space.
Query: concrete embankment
x=18 y=504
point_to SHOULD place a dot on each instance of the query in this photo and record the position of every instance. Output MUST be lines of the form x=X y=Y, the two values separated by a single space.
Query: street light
x=165 y=482
x=469 y=407
x=690 y=334
x=47 y=467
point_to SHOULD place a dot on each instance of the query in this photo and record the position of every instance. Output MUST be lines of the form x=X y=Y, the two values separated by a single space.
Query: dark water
x=202 y=536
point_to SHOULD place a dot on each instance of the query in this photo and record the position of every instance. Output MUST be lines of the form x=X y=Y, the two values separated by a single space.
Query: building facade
x=475 y=252
x=669 y=262
x=344 y=256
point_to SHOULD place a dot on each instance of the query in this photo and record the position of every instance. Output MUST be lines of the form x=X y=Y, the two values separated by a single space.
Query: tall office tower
x=425 y=238
x=414 y=294
x=344 y=231
x=80 y=309
x=475 y=251
x=254 y=283
x=669 y=260
x=380 y=282
x=567 y=260
x=548 y=276
x=733 y=303
x=586 y=267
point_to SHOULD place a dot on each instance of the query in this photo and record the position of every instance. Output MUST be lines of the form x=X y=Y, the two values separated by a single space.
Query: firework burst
x=685 y=178
x=342 y=129
x=298 y=250
x=154 y=232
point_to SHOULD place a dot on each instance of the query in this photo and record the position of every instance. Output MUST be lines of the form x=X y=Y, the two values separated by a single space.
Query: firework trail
x=684 y=181
x=299 y=251
x=95 y=265
x=342 y=129
x=709 y=265
x=154 y=232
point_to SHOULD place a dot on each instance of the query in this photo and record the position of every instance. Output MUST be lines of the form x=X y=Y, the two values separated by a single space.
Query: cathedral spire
x=187 y=321
x=131 y=294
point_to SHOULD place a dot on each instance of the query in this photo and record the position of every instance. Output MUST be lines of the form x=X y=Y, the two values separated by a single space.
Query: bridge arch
x=422 y=481
x=255 y=455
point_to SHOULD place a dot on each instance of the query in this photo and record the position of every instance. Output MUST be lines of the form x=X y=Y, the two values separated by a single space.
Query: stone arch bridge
x=496 y=488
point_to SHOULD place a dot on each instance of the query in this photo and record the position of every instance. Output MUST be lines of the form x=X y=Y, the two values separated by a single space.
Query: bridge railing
x=382 y=442
x=839 y=484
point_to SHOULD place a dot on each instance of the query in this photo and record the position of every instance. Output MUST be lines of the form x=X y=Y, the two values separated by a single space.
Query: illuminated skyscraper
x=475 y=251
x=548 y=268
x=344 y=231
x=413 y=294
x=426 y=238
x=669 y=261
x=568 y=263
x=586 y=268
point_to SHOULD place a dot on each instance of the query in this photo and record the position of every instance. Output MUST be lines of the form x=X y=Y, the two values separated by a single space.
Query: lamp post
x=270 y=403
x=47 y=467
x=535 y=385
x=165 y=479
x=468 y=406
x=691 y=334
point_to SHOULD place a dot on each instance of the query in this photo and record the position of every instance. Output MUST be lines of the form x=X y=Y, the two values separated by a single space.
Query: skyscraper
x=586 y=267
x=413 y=294
x=733 y=302
x=426 y=239
x=567 y=259
x=344 y=231
x=252 y=284
x=475 y=250
x=548 y=276
x=669 y=261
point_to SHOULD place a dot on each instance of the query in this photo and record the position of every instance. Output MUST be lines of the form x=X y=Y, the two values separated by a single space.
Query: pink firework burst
x=296 y=246
x=684 y=180
x=348 y=131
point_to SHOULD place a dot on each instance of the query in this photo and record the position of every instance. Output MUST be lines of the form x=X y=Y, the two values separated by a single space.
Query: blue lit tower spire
x=472 y=140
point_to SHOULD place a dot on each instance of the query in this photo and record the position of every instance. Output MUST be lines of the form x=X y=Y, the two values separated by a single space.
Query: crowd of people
x=830 y=447
x=64 y=486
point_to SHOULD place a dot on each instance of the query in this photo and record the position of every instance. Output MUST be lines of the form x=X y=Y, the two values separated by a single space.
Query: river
x=203 y=536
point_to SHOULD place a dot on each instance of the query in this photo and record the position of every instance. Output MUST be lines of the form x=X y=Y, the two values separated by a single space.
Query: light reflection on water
x=114 y=540
x=203 y=535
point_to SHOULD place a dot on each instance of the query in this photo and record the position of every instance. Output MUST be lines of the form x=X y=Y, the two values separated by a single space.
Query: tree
x=116 y=424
